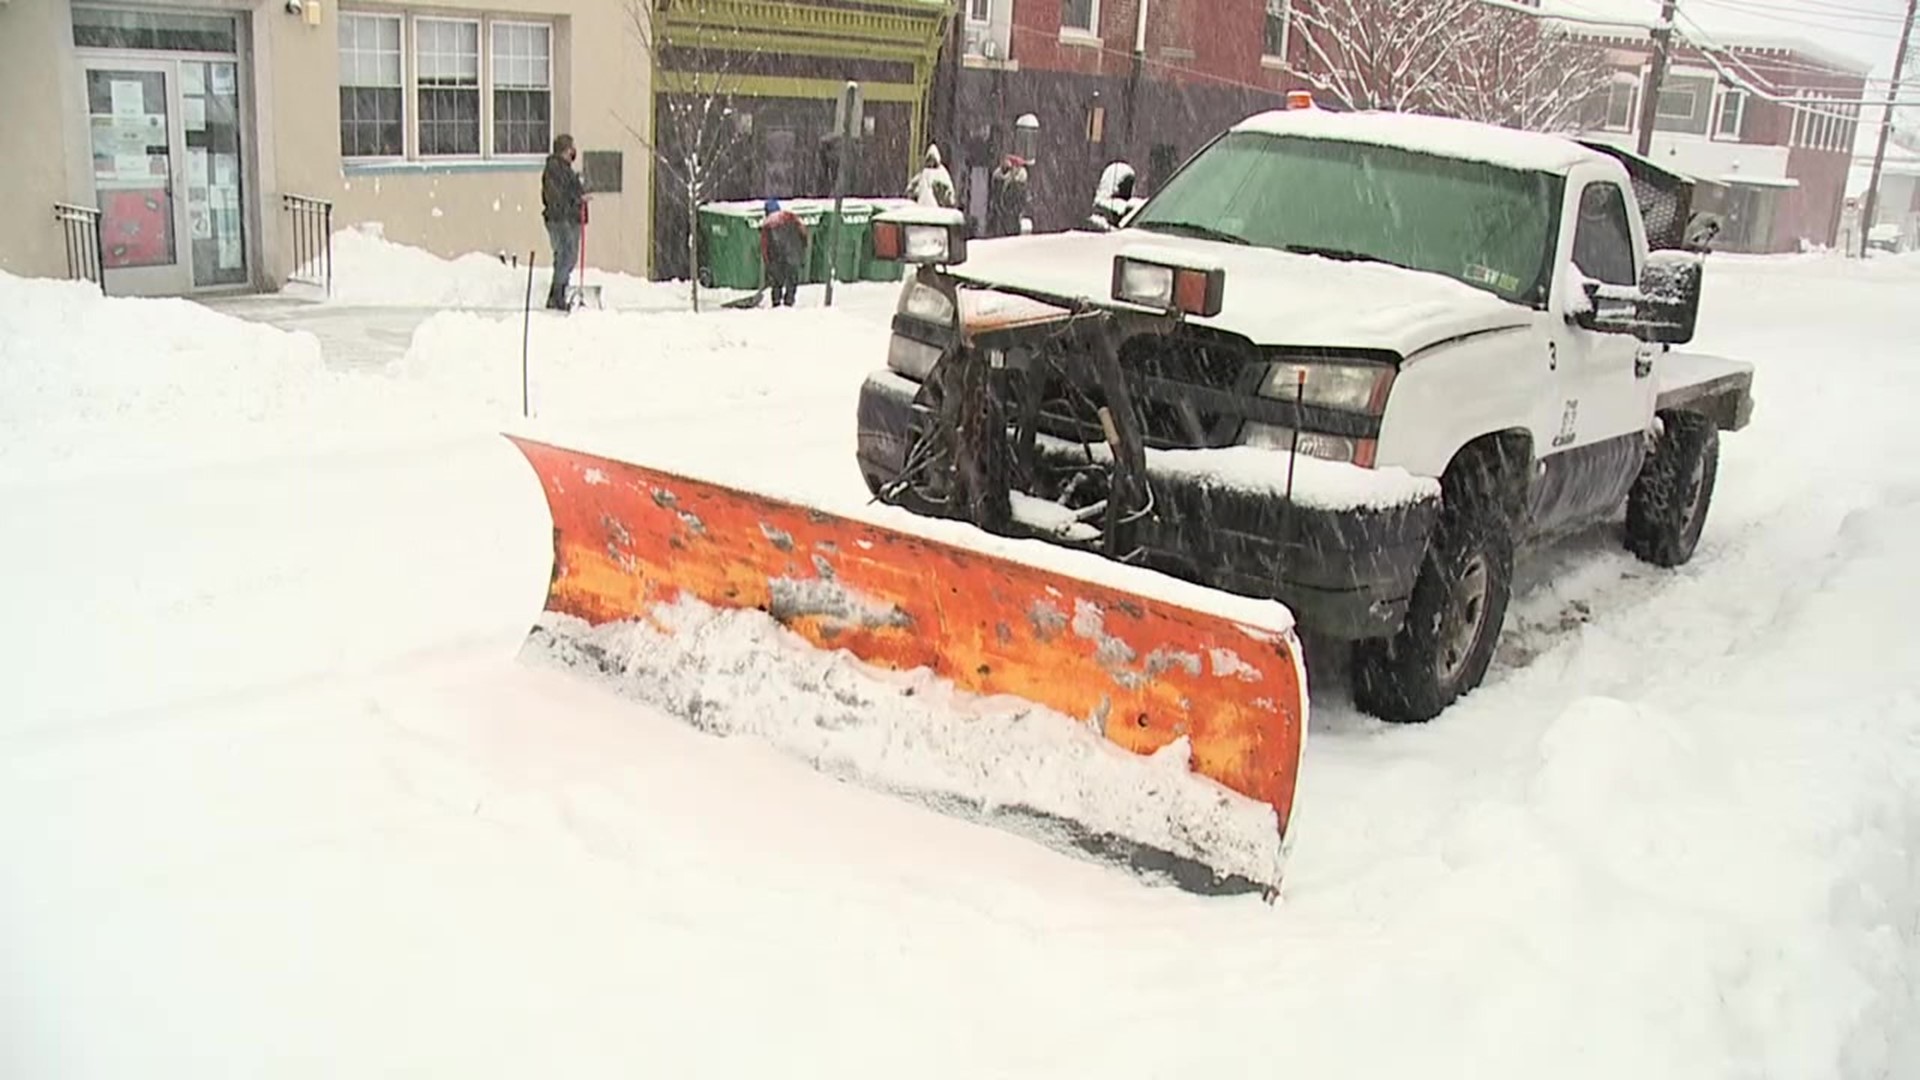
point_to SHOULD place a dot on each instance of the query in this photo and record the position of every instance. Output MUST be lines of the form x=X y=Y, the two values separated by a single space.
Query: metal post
x=526 y=331
x=1656 y=74
x=849 y=124
x=1870 y=206
x=327 y=238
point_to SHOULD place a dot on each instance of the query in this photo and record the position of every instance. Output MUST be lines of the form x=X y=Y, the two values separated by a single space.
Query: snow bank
x=81 y=377
x=370 y=270
x=737 y=673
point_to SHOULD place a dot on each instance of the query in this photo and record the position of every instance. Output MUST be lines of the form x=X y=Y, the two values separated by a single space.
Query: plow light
x=1169 y=282
x=923 y=237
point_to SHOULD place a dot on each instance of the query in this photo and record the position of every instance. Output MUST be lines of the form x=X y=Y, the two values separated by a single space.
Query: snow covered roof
x=1442 y=137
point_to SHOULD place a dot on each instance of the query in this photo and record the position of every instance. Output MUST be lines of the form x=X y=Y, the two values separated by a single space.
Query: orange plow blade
x=633 y=545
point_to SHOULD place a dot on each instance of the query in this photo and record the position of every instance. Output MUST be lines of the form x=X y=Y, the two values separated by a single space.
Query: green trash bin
x=856 y=219
x=730 y=245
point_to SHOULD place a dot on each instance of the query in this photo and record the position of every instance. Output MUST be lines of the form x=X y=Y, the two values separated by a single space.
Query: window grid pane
x=447 y=74
x=372 y=92
x=1077 y=14
x=522 y=88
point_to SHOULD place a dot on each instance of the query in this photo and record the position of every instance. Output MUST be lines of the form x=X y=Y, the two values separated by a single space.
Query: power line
x=1705 y=47
x=1784 y=20
x=1768 y=11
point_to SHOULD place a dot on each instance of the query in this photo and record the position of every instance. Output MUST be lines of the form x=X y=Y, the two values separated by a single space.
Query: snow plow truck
x=1338 y=368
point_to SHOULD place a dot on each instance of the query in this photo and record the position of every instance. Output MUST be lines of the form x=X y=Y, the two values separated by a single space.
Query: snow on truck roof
x=1442 y=137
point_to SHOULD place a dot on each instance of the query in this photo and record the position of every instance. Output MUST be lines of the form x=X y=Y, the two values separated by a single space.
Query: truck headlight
x=1168 y=282
x=1312 y=443
x=926 y=303
x=914 y=359
x=922 y=235
x=1350 y=387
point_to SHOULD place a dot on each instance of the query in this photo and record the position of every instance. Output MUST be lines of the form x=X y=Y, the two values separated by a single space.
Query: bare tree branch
x=1459 y=58
x=693 y=133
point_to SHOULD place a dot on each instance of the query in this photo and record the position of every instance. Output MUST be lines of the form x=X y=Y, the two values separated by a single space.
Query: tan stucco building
x=185 y=122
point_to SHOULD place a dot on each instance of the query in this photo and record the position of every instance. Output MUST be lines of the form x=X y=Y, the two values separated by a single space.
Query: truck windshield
x=1486 y=225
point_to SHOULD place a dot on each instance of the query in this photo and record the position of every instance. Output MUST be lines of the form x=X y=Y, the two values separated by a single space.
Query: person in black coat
x=562 y=201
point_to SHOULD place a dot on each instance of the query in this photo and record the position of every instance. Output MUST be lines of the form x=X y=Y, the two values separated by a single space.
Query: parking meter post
x=847 y=127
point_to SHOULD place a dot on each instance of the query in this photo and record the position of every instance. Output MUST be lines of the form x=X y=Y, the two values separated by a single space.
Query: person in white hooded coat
x=1113 y=199
x=932 y=185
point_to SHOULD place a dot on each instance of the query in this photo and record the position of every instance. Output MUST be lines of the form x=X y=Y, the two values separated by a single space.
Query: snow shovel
x=583 y=294
x=634 y=546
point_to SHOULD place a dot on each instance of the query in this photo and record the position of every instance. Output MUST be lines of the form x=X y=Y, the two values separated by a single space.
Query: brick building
x=1107 y=82
x=1776 y=174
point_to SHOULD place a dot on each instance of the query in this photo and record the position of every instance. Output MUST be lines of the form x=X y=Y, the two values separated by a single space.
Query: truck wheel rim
x=1466 y=617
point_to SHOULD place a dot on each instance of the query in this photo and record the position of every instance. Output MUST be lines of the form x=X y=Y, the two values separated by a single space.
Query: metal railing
x=311 y=222
x=81 y=227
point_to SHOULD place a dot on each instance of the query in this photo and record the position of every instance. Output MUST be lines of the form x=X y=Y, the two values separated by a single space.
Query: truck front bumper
x=1345 y=573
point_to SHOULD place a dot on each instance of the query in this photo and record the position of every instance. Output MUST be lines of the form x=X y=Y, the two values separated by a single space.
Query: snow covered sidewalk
x=277 y=798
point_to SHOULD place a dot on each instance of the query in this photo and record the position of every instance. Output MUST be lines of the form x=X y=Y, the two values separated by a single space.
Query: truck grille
x=1160 y=371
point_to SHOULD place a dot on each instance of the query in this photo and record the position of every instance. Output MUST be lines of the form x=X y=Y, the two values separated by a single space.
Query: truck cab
x=1346 y=361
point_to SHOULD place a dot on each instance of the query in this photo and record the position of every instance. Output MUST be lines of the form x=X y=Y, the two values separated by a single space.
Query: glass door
x=136 y=174
x=210 y=130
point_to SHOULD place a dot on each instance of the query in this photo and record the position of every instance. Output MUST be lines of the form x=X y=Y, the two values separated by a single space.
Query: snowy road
x=276 y=798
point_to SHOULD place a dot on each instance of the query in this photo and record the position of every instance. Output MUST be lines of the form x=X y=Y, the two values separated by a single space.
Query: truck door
x=1605 y=381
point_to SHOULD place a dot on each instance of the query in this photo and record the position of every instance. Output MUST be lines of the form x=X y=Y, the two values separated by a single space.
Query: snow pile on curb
x=740 y=673
x=81 y=375
x=370 y=270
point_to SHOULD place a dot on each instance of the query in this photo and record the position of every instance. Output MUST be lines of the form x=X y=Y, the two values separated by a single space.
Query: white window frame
x=410 y=83
x=1278 y=59
x=553 y=96
x=1632 y=85
x=481 y=79
x=1693 y=110
x=406 y=107
x=986 y=16
x=1735 y=99
x=1090 y=32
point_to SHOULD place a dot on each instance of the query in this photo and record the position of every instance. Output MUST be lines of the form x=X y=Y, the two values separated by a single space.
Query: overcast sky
x=1865 y=29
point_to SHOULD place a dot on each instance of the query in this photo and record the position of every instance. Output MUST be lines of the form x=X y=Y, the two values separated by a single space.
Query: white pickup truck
x=1349 y=361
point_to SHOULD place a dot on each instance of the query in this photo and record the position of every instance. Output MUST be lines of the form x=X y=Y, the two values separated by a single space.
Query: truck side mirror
x=1670 y=291
x=1663 y=309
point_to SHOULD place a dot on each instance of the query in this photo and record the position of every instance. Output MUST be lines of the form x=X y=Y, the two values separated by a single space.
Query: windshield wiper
x=1204 y=232
x=1341 y=254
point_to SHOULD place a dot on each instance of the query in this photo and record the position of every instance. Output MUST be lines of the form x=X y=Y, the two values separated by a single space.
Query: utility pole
x=1870 y=206
x=1656 y=74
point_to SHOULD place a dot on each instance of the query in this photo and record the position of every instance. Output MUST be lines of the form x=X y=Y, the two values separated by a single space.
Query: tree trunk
x=693 y=245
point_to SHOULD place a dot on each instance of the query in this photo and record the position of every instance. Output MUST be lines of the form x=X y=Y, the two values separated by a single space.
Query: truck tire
x=1667 y=507
x=1454 y=617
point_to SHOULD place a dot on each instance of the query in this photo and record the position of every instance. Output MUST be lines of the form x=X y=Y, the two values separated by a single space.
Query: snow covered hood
x=1272 y=297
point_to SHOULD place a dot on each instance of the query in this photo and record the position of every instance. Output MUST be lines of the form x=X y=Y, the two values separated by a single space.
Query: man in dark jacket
x=783 y=251
x=1007 y=197
x=562 y=199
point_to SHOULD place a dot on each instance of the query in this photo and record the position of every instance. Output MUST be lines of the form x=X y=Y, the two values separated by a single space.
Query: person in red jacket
x=783 y=251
